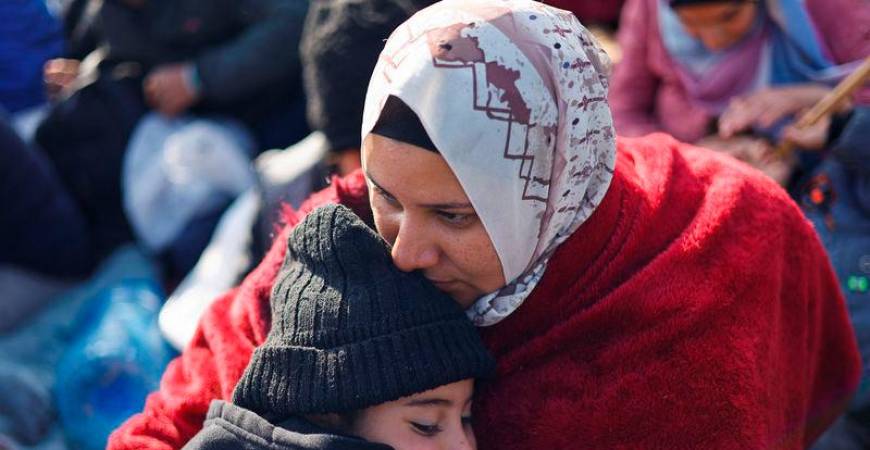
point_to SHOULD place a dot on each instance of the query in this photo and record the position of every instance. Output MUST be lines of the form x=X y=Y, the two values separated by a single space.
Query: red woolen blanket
x=695 y=309
x=591 y=11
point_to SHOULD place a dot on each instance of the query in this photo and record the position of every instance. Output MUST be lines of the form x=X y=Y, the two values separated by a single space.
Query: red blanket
x=695 y=309
x=591 y=11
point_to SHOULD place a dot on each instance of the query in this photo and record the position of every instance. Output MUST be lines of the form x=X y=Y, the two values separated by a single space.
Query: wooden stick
x=828 y=103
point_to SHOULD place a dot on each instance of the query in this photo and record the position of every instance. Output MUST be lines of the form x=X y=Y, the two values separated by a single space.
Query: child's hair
x=350 y=330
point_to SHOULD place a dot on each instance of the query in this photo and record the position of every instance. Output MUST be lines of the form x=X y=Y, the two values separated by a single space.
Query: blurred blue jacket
x=41 y=227
x=29 y=36
x=841 y=215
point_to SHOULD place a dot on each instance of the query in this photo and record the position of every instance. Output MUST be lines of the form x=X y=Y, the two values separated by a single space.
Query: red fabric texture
x=696 y=308
x=591 y=11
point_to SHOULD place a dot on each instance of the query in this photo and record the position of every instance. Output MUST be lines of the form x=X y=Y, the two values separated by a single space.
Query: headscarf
x=513 y=94
x=783 y=47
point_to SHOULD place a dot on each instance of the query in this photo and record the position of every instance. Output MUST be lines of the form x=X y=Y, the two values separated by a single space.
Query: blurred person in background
x=727 y=74
x=339 y=49
x=193 y=55
x=235 y=59
x=837 y=201
x=43 y=234
x=41 y=227
x=29 y=36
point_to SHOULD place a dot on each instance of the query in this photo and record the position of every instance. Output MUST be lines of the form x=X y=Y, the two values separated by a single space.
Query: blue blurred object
x=115 y=360
x=29 y=36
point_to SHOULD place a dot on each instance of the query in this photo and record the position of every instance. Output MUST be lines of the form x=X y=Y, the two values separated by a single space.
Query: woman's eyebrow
x=457 y=205
x=372 y=180
x=429 y=402
x=447 y=205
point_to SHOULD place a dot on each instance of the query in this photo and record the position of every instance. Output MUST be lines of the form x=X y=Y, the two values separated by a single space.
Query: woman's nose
x=413 y=249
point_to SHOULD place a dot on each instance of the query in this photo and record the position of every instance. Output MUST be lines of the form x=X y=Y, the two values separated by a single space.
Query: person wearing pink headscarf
x=709 y=70
x=636 y=293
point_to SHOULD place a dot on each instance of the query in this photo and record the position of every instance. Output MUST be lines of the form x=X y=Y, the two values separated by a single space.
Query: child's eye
x=425 y=429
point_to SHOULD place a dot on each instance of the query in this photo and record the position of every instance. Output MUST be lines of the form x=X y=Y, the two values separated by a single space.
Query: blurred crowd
x=150 y=146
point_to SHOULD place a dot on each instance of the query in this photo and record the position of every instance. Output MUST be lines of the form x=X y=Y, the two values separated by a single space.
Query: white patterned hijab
x=513 y=94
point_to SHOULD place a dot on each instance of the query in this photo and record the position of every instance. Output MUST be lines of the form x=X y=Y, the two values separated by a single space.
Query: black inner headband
x=399 y=122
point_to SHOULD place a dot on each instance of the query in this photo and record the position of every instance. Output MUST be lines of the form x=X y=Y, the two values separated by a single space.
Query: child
x=360 y=355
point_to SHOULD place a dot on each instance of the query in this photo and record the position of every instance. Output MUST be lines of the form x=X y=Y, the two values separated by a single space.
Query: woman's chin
x=460 y=292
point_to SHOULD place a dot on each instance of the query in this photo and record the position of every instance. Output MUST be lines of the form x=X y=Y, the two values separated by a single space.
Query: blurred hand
x=756 y=152
x=58 y=74
x=767 y=107
x=745 y=148
x=168 y=91
x=812 y=137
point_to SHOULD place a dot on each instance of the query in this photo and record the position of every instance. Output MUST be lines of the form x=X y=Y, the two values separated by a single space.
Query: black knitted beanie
x=350 y=330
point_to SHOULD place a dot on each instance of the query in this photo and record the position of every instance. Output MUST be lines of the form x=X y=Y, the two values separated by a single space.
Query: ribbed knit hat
x=350 y=330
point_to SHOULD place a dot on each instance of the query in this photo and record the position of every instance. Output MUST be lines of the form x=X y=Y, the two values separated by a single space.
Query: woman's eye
x=425 y=429
x=387 y=197
x=456 y=219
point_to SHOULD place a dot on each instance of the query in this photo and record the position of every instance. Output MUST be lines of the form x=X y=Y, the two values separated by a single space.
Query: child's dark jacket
x=231 y=427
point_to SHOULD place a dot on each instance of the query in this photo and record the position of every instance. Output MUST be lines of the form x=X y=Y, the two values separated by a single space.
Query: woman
x=635 y=294
x=688 y=62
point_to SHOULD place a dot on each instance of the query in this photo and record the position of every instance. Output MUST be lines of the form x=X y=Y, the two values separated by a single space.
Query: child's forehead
x=449 y=395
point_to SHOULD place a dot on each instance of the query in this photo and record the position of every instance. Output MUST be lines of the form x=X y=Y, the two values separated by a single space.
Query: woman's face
x=439 y=419
x=421 y=209
x=718 y=25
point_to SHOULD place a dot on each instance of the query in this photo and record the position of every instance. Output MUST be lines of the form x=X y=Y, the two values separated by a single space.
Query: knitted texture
x=350 y=330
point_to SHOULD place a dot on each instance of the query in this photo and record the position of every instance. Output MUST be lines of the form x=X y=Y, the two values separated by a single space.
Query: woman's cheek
x=477 y=257
x=386 y=222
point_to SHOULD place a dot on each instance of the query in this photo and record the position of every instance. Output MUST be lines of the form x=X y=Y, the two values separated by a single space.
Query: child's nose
x=462 y=441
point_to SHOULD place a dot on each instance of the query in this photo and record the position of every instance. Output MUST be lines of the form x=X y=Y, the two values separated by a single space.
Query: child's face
x=436 y=419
